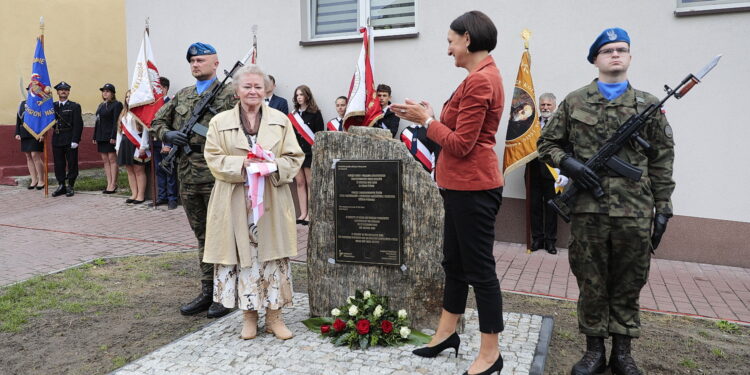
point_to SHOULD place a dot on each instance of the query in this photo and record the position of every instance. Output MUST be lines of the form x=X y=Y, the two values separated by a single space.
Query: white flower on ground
x=402 y=314
x=366 y=294
x=404 y=332
x=335 y=312
x=378 y=311
x=353 y=310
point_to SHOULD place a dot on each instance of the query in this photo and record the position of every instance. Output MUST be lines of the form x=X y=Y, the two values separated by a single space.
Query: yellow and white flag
x=523 y=124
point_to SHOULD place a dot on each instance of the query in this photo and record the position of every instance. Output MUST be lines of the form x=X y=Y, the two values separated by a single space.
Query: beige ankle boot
x=275 y=324
x=249 y=324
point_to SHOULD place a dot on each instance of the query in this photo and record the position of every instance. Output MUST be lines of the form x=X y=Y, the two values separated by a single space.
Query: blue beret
x=612 y=35
x=198 y=49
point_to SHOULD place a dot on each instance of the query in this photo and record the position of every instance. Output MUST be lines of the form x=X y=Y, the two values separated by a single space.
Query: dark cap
x=607 y=36
x=198 y=49
x=108 y=87
x=62 y=86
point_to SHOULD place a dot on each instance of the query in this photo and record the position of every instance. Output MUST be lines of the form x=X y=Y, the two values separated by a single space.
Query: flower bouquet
x=366 y=320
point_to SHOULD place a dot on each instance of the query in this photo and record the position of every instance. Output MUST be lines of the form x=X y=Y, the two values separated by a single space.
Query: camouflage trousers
x=610 y=257
x=195 y=202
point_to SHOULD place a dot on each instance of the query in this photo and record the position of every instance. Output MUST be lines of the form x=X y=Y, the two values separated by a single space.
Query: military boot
x=202 y=302
x=217 y=310
x=620 y=361
x=70 y=191
x=593 y=361
x=61 y=189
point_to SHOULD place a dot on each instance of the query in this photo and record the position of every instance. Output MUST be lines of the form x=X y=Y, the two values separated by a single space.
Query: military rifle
x=630 y=129
x=192 y=126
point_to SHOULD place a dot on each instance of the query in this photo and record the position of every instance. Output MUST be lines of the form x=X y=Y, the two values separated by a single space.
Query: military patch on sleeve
x=668 y=131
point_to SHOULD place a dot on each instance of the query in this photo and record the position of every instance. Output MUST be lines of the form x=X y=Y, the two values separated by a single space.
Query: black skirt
x=105 y=147
x=307 y=163
x=126 y=154
x=31 y=145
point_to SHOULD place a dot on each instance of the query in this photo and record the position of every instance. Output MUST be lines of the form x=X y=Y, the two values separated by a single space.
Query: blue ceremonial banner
x=40 y=109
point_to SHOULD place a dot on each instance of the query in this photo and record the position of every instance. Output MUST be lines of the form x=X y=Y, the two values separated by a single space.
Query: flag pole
x=152 y=143
x=526 y=35
x=45 y=137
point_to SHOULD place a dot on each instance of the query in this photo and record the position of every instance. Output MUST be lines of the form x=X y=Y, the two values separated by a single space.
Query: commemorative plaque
x=367 y=195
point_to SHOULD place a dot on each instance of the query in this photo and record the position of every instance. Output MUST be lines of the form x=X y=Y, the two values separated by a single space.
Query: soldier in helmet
x=195 y=178
x=66 y=136
x=612 y=237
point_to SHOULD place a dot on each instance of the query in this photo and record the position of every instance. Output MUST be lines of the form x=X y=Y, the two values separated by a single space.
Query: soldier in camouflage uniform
x=611 y=237
x=195 y=178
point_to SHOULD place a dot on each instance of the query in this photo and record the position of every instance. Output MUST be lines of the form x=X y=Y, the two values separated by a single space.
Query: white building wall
x=709 y=124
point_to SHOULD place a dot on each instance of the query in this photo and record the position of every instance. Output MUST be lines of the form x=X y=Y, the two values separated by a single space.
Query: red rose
x=363 y=326
x=339 y=325
x=386 y=326
x=325 y=329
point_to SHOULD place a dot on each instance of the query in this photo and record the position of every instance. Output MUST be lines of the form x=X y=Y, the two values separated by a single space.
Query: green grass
x=727 y=327
x=689 y=363
x=118 y=362
x=99 y=183
x=718 y=352
x=72 y=291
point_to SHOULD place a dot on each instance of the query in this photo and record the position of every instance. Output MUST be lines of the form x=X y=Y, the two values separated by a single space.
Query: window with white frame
x=694 y=7
x=341 y=19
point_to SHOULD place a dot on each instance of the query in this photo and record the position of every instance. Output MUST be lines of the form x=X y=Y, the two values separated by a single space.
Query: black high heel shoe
x=453 y=341
x=32 y=187
x=496 y=367
x=40 y=187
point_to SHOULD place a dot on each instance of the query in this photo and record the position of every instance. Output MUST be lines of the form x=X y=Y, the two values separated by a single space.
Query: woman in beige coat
x=251 y=264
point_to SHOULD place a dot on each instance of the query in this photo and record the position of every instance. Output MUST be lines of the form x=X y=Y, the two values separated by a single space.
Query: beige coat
x=227 y=237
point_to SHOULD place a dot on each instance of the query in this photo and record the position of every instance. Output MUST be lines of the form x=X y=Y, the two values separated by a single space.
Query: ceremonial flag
x=523 y=125
x=363 y=108
x=146 y=93
x=39 y=115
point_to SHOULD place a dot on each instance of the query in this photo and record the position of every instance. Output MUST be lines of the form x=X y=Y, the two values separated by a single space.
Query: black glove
x=176 y=137
x=660 y=226
x=580 y=173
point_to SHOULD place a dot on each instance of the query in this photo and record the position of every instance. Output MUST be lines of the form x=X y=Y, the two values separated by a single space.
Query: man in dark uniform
x=166 y=182
x=389 y=120
x=612 y=236
x=66 y=135
x=196 y=180
x=541 y=189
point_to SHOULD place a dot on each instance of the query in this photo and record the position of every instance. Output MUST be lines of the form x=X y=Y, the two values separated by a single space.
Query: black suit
x=67 y=130
x=541 y=189
x=389 y=121
x=279 y=103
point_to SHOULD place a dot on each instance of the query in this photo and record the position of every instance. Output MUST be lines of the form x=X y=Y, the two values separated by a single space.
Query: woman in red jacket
x=468 y=174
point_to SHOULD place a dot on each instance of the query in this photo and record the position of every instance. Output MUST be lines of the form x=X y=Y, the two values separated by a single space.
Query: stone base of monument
x=352 y=235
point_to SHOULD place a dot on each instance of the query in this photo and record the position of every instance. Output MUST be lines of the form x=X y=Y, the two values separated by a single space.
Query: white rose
x=353 y=310
x=404 y=332
x=349 y=299
x=378 y=311
x=335 y=312
x=402 y=314
x=366 y=294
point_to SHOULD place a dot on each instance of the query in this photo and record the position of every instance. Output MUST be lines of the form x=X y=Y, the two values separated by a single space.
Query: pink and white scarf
x=256 y=179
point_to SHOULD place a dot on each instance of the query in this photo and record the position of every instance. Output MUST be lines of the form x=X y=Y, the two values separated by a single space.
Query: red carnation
x=386 y=326
x=325 y=329
x=363 y=326
x=339 y=325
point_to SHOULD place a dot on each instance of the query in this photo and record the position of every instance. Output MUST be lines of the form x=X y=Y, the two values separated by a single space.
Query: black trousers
x=543 y=217
x=66 y=158
x=469 y=236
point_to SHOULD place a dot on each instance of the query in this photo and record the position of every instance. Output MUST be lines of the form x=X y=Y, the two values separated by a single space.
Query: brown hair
x=311 y=106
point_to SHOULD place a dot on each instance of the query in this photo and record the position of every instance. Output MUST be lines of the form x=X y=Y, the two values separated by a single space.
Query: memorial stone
x=368 y=164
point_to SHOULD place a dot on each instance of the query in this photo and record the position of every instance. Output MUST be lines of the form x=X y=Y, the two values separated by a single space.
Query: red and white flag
x=146 y=93
x=302 y=128
x=363 y=108
x=256 y=177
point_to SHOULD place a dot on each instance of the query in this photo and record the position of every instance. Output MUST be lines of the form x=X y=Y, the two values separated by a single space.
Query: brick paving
x=39 y=236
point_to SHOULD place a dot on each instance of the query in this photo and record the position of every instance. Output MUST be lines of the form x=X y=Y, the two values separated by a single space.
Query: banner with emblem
x=363 y=108
x=523 y=124
x=39 y=115
x=146 y=93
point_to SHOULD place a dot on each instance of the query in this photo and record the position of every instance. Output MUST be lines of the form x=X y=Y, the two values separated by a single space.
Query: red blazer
x=466 y=132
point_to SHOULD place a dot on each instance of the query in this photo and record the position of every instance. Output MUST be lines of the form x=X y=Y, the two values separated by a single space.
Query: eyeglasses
x=609 y=51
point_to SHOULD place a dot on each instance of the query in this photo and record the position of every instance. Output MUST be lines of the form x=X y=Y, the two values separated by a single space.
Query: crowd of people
x=235 y=186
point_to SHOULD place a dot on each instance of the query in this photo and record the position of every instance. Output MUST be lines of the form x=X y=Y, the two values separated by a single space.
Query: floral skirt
x=261 y=285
